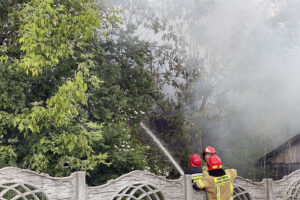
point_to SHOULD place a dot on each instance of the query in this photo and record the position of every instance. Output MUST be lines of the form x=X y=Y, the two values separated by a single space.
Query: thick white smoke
x=256 y=46
x=259 y=39
x=249 y=53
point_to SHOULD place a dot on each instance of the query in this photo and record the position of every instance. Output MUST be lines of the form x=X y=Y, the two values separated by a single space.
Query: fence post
x=188 y=187
x=270 y=191
x=80 y=186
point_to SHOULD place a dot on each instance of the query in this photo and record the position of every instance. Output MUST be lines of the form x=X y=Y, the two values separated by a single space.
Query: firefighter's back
x=221 y=188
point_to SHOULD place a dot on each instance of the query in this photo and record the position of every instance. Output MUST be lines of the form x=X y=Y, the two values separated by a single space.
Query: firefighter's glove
x=195 y=186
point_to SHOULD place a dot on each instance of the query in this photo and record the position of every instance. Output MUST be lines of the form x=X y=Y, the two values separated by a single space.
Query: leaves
x=72 y=99
x=44 y=125
x=51 y=30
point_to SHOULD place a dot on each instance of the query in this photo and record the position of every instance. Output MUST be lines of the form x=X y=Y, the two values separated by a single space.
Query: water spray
x=165 y=151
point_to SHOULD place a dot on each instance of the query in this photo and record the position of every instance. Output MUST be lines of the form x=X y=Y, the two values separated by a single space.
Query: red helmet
x=195 y=160
x=209 y=150
x=214 y=162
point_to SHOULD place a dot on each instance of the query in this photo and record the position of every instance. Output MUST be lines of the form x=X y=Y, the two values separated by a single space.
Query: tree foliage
x=127 y=93
x=72 y=97
x=51 y=30
x=46 y=127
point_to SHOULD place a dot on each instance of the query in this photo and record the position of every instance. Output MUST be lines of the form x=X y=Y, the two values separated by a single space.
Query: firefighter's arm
x=201 y=183
x=233 y=173
x=196 y=178
x=205 y=173
x=204 y=170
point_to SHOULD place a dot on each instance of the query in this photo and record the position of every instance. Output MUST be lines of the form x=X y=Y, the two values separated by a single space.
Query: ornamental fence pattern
x=20 y=184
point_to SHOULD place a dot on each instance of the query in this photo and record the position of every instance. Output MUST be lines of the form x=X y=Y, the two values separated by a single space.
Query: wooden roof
x=291 y=142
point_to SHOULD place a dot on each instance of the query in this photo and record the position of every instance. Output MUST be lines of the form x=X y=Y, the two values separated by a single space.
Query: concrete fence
x=19 y=184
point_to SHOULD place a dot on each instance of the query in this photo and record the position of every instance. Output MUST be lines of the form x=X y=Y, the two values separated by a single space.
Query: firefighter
x=195 y=169
x=218 y=183
x=207 y=151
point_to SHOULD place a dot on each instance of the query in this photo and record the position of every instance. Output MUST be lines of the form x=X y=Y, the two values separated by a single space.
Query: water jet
x=160 y=145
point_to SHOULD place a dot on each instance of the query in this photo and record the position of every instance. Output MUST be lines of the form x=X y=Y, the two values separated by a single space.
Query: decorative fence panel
x=139 y=185
x=20 y=184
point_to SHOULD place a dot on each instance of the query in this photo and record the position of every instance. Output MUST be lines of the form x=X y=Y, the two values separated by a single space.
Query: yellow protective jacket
x=218 y=188
x=204 y=170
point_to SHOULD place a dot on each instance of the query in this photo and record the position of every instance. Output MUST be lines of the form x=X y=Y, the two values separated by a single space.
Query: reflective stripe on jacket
x=196 y=177
x=218 y=188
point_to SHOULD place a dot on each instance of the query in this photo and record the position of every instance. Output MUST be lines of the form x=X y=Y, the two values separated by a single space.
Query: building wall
x=279 y=170
x=285 y=162
x=289 y=155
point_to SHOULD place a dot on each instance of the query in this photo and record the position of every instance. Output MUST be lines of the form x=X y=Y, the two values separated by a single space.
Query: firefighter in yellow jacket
x=218 y=183
x=206 y=152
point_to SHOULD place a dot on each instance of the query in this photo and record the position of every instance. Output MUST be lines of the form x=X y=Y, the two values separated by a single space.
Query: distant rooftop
x=291 y=142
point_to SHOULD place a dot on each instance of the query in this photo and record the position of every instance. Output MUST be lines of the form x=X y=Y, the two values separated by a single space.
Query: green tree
x=126 y=97
x=46 y=127
x=81 y=106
